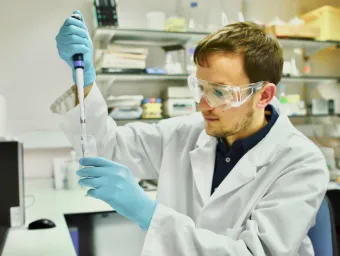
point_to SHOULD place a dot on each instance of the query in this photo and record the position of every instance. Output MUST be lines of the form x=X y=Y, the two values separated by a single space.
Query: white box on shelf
x=319 y=107
x=177 y=92
x=124 y=101
x=179 y=107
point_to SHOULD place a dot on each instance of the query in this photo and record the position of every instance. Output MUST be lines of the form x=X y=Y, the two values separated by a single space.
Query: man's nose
x=204 y=106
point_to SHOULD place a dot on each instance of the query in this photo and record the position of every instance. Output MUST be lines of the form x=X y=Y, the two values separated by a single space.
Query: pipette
x=78 y=64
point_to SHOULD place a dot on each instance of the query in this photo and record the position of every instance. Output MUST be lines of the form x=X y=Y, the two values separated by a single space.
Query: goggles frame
x=237 y=92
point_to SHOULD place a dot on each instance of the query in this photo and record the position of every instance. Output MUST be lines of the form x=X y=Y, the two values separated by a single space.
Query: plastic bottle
x=307 y=66
x=283 y=99
x=190 y=65
x=194 y=22
x=72 y=167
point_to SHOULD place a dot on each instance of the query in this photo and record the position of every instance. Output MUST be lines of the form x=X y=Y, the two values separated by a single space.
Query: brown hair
x=263 y=57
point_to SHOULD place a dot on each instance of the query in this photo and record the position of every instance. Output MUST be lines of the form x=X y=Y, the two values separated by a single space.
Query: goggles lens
x=221 y=95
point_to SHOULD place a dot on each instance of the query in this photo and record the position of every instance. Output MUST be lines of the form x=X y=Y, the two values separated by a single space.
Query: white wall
x=32 y=75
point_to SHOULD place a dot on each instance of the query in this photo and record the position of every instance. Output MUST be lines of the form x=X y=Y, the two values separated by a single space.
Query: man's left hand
x=114 y=184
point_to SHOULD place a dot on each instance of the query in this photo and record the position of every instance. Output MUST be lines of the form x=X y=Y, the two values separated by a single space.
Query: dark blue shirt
x=226 y=158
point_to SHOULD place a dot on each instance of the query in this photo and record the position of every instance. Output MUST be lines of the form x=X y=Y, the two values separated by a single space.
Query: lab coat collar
x=259 y=156
x=203 y=160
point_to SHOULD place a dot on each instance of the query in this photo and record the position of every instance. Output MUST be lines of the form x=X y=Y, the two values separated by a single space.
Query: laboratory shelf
x=146 y=37
x=314 y=115
x=310 y=46
x=106 y=77
x=164 y=38
x=310 y=79
x=143 y=120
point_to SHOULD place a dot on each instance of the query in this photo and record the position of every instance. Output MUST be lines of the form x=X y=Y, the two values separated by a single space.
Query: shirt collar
x=246 y=144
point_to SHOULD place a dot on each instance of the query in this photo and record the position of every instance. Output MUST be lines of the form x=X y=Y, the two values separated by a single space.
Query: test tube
x=90 y=146
x=90 y=150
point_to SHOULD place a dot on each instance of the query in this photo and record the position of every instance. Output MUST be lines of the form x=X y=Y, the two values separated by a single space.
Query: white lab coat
x=264 y=207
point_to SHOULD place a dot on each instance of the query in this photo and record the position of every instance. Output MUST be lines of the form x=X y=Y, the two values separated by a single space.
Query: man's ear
x=267 y=93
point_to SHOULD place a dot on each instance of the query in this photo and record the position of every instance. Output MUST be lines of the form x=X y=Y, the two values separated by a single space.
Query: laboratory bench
x=59 y=206
x=44 y=202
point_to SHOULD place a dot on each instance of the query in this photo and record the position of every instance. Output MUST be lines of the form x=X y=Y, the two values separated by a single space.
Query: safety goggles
x=217 y=95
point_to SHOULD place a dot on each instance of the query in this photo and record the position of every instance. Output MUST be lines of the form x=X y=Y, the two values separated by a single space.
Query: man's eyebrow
x=218 y=82
x=221 y=83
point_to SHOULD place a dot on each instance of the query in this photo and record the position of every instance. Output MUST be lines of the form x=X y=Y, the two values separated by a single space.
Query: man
x=239 y=181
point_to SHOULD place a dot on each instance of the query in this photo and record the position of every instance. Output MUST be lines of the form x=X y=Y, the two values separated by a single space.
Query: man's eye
x=218 y=92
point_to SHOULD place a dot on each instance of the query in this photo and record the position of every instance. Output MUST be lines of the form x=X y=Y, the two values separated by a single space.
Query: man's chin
x=213 y=132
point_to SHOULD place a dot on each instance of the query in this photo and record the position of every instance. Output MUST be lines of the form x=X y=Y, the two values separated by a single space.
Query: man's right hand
x=74 y=38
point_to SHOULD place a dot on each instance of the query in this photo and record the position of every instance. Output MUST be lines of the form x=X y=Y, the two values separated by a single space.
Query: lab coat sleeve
x=138 y=145
x=276 y=226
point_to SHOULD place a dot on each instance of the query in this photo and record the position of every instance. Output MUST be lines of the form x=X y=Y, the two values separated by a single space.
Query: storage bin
x=327 y=18
x=152 y=107
x=295 y=31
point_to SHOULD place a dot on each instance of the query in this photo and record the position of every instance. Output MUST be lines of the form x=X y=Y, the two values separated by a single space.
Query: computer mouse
x=41 y=224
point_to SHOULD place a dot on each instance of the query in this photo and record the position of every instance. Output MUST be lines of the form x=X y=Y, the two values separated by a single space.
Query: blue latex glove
x=74 y=38
x=115 y=184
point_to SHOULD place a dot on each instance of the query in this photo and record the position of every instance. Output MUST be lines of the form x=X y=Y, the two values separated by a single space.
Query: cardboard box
x=327 y=19
x=295 y=31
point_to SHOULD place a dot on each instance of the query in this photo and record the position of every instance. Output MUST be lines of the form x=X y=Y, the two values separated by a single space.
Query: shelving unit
x=312 y=116
x=148 y=121
x=105 y=35
x=106 y=77
x=310 y=79
x=147 y=37
x=164 y=38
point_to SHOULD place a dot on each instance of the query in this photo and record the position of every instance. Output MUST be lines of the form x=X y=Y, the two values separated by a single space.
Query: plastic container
x=155 y=20
x=152 y=100
x=122 y=113
x=191 y=66
x=179 y=107
x=71 y=172
x=152 y=107
x=177 y=92
x=173 y=62
x=124 y=101
x=152 y=115
x=59 y=173
x=327 y=19
x=194 y=18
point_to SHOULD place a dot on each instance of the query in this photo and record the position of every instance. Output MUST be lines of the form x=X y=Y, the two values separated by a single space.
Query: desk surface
x=51 y=204
x=54 y=204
